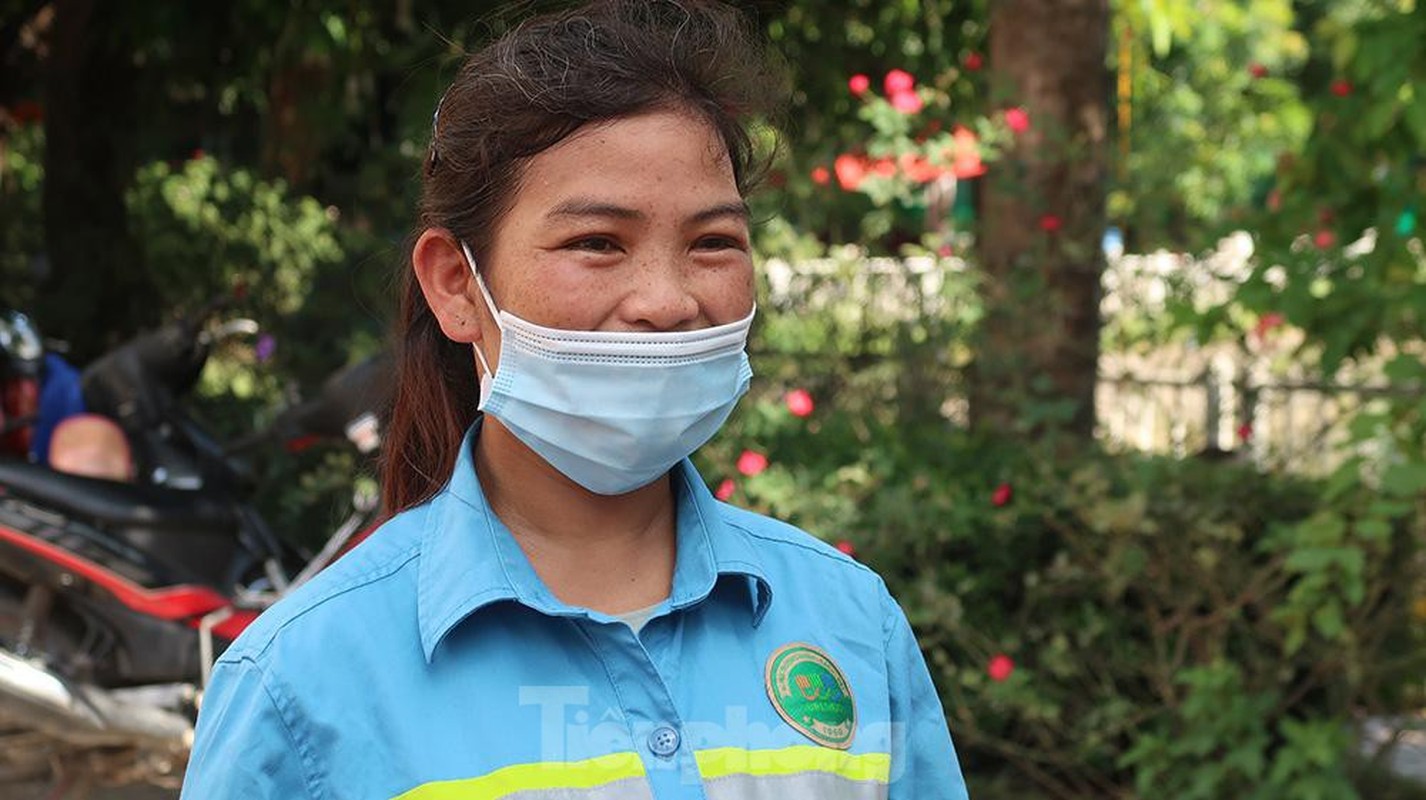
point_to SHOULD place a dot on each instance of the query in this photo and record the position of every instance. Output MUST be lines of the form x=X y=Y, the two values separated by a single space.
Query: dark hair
x=522 y=94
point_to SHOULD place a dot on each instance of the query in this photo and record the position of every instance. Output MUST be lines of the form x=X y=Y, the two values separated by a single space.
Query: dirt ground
x=44 y=791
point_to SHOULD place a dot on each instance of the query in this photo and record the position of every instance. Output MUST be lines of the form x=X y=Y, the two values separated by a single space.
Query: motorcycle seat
x=124 y=505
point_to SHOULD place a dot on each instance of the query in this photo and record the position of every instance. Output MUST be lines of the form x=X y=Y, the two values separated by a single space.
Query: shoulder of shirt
x=774 y=535
x=392 y=547
x=787 y=552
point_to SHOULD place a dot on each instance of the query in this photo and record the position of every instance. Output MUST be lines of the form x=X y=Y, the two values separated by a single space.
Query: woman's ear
x=445 y=278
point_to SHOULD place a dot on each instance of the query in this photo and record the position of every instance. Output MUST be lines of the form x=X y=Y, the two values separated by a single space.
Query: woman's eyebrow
x=581 y=207
x=738 y=209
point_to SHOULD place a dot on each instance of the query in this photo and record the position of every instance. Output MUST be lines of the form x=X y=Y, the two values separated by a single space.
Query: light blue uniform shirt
x=431 y=662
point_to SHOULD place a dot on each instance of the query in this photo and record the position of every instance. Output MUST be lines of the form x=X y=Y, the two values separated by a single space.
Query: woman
x=558 y=608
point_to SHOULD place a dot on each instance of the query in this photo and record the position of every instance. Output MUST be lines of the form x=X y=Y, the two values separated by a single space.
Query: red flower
x=967 y=163
x=1245 y=431
x=725 y=489
x=1324 y=239
x=1018 y=119
x=27 y=111
x=945 y=251
x=1341 y=87
x=898 y=81
x=907 y=102
x=1000 y=668
x=850 y=171
x=885 y=167
x=1266 y=323
x=859 y=84
x=919 y=169
x=1274 y=200
x=974 y=61
x=1002 y=495
x=846 y=547
x=799 y=402
x=751 y=462
x=820 y=176
x=1049 y=223
x=1258 y=70
x=196 y=155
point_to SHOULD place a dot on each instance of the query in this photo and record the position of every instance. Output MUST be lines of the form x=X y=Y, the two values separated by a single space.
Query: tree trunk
x=96 y=290
x=1038 y=351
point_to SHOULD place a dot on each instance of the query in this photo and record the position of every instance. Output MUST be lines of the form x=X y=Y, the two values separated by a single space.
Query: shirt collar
x=469 y=559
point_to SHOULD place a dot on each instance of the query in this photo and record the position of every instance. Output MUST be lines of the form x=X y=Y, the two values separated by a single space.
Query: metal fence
x=1298 y=426
x=1246 y=399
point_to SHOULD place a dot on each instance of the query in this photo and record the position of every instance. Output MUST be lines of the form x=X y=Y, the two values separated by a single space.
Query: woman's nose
x=661 y=298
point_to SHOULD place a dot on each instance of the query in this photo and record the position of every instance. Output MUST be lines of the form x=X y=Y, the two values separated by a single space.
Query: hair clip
x=435 y=121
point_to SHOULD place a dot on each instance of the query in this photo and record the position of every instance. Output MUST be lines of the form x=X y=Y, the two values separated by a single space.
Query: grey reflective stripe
x=797 y=786
x=627 y=789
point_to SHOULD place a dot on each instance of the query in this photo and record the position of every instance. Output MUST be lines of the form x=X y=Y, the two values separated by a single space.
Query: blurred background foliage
x=1100 y=625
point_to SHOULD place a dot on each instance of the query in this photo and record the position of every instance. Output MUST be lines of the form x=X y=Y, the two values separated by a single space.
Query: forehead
x=659 y=157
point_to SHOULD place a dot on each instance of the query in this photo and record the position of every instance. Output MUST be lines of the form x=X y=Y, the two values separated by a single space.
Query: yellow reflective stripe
x=722 y=761
x=535 y=776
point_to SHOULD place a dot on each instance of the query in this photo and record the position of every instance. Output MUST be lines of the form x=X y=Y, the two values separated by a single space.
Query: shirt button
x=663 y=742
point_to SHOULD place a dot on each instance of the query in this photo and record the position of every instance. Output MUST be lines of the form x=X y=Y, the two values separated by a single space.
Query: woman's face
x=630 y=225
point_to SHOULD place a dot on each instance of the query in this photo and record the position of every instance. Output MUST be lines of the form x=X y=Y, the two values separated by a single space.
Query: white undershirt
x=637 y=618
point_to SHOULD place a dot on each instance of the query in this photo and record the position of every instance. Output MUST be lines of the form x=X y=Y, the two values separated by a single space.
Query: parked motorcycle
x=116 y=596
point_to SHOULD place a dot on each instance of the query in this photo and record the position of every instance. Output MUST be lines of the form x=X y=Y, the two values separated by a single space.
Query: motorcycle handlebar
x=138 y=378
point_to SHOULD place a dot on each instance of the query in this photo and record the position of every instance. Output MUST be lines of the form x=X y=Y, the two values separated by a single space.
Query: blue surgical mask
x=612 y=410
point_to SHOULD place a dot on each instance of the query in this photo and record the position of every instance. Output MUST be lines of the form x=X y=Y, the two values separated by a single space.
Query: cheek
x=734 y=292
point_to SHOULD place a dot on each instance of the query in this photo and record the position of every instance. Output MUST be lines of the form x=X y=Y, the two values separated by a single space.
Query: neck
x=609 y=553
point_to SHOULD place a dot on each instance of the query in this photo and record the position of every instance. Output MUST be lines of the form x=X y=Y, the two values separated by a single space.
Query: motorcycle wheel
x=26 y=755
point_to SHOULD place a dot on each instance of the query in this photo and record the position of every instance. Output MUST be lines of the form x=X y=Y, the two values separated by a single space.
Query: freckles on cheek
x=557 y=293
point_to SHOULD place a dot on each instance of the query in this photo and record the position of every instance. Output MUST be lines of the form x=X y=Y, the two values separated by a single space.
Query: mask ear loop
x=487 y=379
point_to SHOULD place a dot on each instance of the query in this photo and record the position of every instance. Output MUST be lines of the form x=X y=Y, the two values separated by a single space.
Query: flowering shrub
x=916 y=150
x=1099 y=626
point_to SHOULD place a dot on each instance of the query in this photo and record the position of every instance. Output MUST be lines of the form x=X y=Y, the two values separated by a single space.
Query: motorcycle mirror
x=229 y=329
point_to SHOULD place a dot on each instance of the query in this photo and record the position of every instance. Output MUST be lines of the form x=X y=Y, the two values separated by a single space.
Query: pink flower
x=1341 y=87
x=974 y=61
x=1274 y=200
x=846 y=547
x=821 y=176
x=1258 y=70
x=945 y=251
x=1245 y=431
x=1002 y=495
x=907 y=102
x=898 y=81
x=725 y=489
x=1050 y=223
x=1000 y=668
x=751 y=462
x=859 y=84
x=1017 y=119
x=799 y=402
x=850 y=171
x=1324 y=239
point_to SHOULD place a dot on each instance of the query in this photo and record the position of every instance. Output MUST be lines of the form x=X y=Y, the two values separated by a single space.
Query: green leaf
x=1328 y=620
x=1404 y=480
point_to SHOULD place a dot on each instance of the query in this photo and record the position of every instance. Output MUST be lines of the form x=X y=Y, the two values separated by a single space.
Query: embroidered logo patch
x=809 y=692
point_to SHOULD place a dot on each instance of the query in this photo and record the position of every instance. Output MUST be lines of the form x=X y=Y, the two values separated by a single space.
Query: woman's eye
x=594 y=244
x=720 y=243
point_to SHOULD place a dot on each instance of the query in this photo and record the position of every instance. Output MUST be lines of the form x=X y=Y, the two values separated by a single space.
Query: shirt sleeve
x=923 y=760
x=244 y=745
